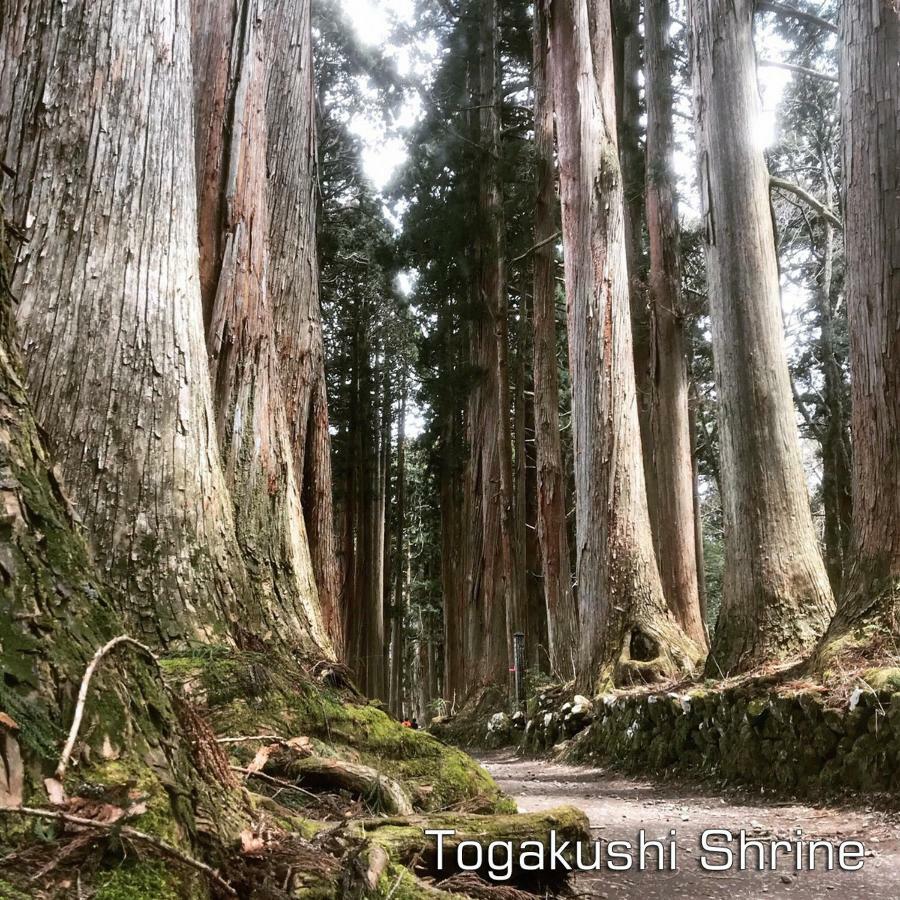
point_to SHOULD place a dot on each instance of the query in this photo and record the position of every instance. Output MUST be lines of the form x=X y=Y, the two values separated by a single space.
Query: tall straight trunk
x=562 y=613
x=627 y=70
x=870 y=107
x=230 y=54
x=836 y=453
x=378 y=574
x=627 y=632
x=293 y=284
x=452 y=591
x=110 y=314
x=670 y=427
x=399 y=606
x=493 y=604
x=776 y=597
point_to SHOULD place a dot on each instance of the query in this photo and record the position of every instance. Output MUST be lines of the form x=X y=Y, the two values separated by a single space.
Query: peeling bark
x=230 y=54
x=562 y=613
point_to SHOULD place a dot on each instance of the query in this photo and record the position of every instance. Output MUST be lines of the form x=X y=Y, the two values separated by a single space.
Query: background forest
x=507 y=352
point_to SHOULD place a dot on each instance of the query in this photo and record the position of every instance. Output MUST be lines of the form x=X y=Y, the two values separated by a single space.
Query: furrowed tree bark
x=627 y=67
x=562 y=613
x=56 y=613
x=493 y=608
x=627 y=632
x=95 y=109
x=670 y=427
x=870 y=109
x=230 y=53
x=293 y=284
x=776 y=597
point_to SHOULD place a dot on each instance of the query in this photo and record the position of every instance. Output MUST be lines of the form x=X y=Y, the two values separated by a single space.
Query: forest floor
x=619 y=806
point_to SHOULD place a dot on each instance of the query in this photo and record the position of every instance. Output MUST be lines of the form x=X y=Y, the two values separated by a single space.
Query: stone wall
x=792 y=740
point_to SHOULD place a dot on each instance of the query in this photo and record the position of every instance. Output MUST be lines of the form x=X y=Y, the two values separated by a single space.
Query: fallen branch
x=83 y=692
x=276 y=782
x=133 y=834
x=818 y=207
x=244 y=739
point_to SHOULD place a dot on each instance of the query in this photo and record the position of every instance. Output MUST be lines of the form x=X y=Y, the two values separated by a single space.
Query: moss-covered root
x=652 y=650
x=378 y=790
x=405 y=840
x=864 y=631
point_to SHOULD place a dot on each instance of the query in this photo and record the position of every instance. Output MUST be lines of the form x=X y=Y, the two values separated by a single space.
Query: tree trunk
x=398 y=640
x=836 y=472
x=493 y=606
x=870 y=105
x=668 y=378
x=230 y=54
x=452 y=587
x=110 y=313
x=627 y=69
x=776 y=598
x=627 y=632
x=56 y=615
x=293 y=284
x=562 y=613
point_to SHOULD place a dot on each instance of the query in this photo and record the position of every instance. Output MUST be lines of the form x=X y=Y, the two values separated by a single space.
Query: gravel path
x=618 y=807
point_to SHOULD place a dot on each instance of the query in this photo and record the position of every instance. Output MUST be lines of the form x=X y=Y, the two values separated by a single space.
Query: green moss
x=10 y=892
x=144 y=880
x=887 y=679
x=246 y=695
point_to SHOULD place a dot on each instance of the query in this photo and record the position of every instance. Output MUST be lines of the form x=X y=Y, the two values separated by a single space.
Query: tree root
x=378 y=790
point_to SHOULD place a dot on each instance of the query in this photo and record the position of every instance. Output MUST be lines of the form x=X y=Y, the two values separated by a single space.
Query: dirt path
x=618 y=807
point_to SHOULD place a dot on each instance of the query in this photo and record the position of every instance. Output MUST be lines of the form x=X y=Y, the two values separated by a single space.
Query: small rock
x=786 y=879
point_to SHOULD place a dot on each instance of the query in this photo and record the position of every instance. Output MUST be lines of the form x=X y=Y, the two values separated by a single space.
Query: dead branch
x=799 y=70
x=817 y=206
x=128 y=832
x=276 y=782
x=83 y=692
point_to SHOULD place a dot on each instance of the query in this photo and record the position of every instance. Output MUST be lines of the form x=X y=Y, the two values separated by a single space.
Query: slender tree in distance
x=627 y=631
x=562 y=613
x=776 y=596
x=870 y=112
x=669 y=420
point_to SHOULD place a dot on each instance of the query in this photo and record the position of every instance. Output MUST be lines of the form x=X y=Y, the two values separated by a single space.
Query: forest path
x=619 y=806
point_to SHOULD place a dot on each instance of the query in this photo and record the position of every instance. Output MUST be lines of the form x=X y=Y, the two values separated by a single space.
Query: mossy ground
x=242 y=696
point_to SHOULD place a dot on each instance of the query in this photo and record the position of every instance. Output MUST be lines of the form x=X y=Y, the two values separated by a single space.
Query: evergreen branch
x=788 y=11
